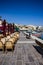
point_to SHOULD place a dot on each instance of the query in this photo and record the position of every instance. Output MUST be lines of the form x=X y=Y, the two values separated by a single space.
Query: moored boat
x=36 y=34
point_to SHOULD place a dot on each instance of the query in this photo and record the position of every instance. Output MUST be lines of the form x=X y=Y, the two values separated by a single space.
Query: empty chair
x=8 y=37
x=6 y=33
x=15 y=37
x=1 y=36
x=9 y=45
x=1 y=45
x=12 y=40
x=11 y=35
x=3 y=40
x=16 y=32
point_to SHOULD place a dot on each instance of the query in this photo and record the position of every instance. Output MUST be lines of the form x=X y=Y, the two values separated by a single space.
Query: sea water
x=41 y=37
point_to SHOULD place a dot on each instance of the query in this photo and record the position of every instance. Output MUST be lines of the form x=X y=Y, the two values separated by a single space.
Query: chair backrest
x=1 y=43
x=8 y=43
x=14 y=39
x=3 y=40
x=8 y=37
x=17 y=35
x=11 y=35
x=1 y=36
x=11 y=40
x=16 y=32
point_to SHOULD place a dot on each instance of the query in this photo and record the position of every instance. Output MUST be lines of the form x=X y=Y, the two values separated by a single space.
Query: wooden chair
x=6 y=33
x=12 y=40
x=9 y=45
x=8 y=37
x=16 y=32
x=11 y=35
x=15 y=37
x=1 y=36
x=3 y=40
x=1 y=45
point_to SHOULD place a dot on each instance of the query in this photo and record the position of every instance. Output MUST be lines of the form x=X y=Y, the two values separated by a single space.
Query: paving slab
x=26 y=54
x=23 y=54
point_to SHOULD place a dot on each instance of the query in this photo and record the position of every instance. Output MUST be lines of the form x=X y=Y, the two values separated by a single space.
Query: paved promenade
x=24 y=54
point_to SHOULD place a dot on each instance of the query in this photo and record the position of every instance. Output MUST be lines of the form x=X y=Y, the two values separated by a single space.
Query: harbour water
x=41 y=37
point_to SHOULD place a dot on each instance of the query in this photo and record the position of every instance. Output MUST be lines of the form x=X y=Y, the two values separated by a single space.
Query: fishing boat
x=37 y=34
x=41 y=37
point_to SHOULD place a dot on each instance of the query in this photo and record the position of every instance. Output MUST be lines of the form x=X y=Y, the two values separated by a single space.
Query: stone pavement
x=24 y=54
x=23 y=39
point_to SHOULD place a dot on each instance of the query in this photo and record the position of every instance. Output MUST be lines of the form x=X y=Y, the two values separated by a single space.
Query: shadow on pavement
x=39 y=49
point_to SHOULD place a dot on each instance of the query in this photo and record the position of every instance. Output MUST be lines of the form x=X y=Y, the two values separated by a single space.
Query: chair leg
x=6 y=51
x=13 y=47
x=3 y=50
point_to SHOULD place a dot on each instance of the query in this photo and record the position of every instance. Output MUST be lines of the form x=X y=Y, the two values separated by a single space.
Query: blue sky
x=27 y=12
